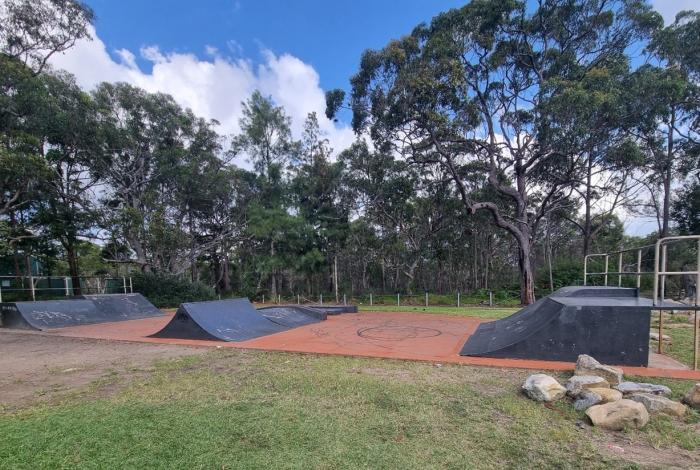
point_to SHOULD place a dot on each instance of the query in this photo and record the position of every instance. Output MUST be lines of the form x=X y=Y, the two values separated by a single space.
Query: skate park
x=611 y=323
x=252 y=235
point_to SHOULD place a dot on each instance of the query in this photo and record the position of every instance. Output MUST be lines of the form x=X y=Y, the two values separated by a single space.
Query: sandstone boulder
x=577 y=383
x=607 y=395
x=692 y=398
x=586 y=399
x=637 y=387
x=542 y=387
x=657 y=404
x=618 y=415
x=587 y=365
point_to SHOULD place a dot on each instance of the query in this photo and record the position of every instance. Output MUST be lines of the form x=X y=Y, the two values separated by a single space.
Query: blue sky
x=329 y=35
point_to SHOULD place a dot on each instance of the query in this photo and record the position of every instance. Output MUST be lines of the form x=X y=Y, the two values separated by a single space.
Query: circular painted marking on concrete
x=397 y=333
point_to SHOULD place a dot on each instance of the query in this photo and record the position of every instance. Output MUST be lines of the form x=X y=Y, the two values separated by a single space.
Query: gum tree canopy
x=480 y=91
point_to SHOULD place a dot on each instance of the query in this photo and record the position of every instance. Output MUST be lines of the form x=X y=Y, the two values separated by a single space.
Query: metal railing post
x=664 y=251
x=370 y=299
x=321 y=298
x=65 y=285
x=345 y=300
x=131 y=285
x=619 y=270
x=585 y=270
x=31 y=287
x=124 y=283
x=655 y=294
x=1 y=290
x=607 y=262
x=458 y=299
x=398 y=299
x=426 y=298
x=639 y=268
x=661 y=328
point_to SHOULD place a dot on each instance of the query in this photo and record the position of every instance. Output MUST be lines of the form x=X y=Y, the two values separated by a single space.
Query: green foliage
x=170 y=291
x=686 y=209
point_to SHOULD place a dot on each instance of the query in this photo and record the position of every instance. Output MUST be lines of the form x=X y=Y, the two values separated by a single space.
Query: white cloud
x=214 y=87
x=669 y=8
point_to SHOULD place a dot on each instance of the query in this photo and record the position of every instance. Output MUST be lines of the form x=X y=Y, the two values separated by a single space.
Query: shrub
x=165 y=290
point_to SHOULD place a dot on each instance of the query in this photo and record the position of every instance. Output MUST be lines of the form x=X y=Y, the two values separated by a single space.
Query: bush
x=170 y=291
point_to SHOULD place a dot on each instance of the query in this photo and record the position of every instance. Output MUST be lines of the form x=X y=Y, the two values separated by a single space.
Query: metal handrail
x=619 y=272
x=660 y=272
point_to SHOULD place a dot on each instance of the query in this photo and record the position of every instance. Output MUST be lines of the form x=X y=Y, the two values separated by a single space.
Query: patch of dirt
x=647 y=456
x=38 y=367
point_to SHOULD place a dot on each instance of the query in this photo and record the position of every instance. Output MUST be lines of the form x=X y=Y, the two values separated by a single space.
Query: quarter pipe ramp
x=218 y=320
x=88 y=309
x=610 y=324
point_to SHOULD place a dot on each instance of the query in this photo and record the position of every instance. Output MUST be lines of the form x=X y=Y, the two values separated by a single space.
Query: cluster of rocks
x=608 y=400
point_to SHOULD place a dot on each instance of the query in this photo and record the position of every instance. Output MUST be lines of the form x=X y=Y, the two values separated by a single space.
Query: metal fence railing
x=45 y=287
x=660 y=274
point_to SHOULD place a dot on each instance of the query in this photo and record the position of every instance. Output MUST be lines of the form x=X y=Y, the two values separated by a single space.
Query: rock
x=654 y=336
x=619 y=414
x=586 y=399
x=542 y=387
x=636 y=387
x=607 y=395
x=656 y=404
x=692 y=398
x=586 y=365
x=577 y=383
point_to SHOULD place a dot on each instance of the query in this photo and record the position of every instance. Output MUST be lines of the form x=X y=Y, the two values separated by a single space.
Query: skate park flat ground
x=391 y=335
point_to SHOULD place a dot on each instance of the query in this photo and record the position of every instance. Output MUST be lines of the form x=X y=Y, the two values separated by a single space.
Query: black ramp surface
x=292 y=316
x=124 y=306
x=45 y=314
x=331 y=309
x=225 y=320
x=572 y=321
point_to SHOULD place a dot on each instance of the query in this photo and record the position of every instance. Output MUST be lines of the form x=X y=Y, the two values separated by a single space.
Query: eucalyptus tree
x=34 y=30
x=157 y=162
x=469 y=92
x=665 y=105
x=69 y=130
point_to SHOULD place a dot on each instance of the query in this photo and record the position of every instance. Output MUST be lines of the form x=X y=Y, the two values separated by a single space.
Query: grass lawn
x=251 y=409
x=681 y=333
x=481 y=312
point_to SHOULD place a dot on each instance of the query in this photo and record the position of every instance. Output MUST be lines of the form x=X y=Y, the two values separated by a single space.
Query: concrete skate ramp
x=124 y=306
x=222 y=320
x=610 y=324
x=292 y=316
x=46 y=314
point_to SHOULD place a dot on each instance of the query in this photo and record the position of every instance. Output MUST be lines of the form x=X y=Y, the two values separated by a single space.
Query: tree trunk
x=527 y=280
x=74 y=268
x=667 y=177
x=225 y=275
x=335 y=278
x=587 y=229
x=273 y=278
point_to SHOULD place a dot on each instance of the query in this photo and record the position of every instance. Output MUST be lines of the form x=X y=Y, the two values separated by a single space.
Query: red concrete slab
x=391 y=335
